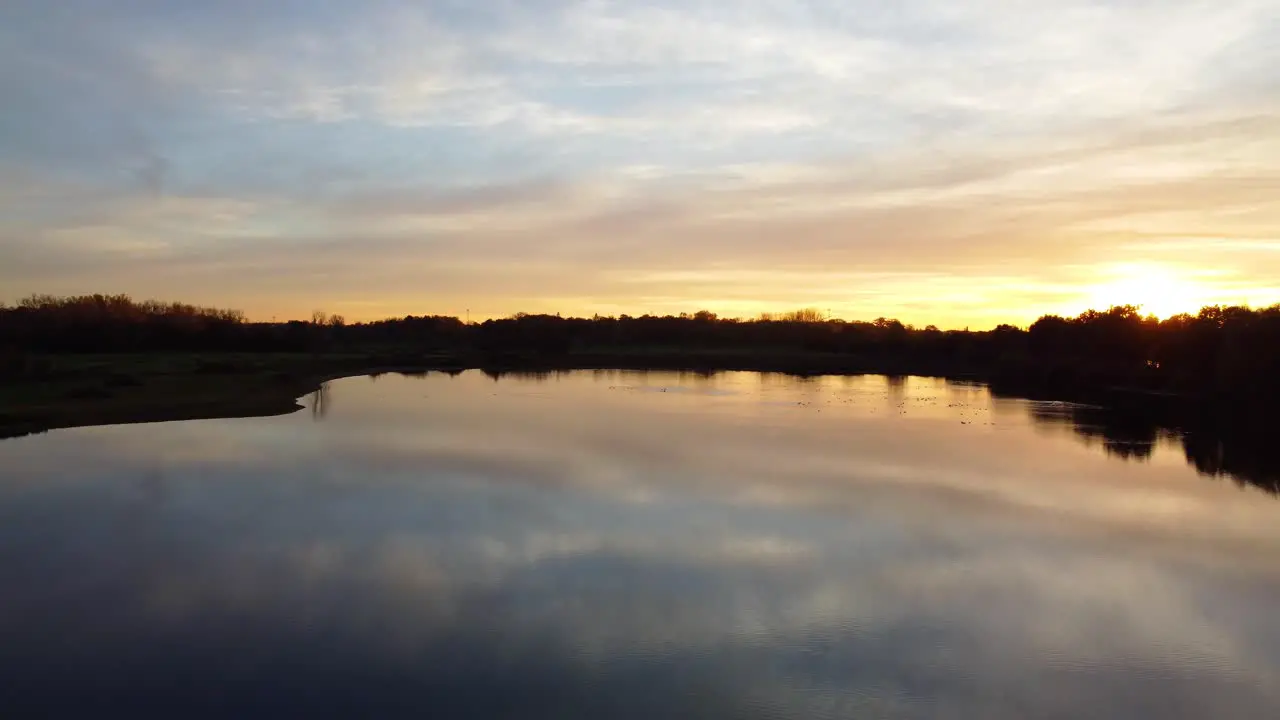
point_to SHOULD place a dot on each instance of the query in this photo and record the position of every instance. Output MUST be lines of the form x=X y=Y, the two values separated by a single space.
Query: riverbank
x=67 y=391
x=62 y=391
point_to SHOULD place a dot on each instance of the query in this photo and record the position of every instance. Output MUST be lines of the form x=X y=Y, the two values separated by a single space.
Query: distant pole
x=468 y=316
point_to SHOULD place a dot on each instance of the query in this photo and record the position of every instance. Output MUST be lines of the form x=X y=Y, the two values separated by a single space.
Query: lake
x=640 y=545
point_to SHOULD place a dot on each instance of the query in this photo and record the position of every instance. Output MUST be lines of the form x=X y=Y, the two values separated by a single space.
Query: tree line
x=1226 y=353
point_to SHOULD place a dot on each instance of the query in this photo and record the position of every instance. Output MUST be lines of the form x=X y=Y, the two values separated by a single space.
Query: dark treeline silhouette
x=1230 y=354
x=1225 y=355
x=111 y=323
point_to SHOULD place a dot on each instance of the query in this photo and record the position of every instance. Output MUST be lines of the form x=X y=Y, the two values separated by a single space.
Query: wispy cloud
x=533 y=155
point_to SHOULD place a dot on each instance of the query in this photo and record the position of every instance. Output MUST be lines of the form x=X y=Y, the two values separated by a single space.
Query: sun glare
x=1157 y=289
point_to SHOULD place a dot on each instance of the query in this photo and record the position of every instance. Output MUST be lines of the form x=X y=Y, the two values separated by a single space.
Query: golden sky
x=956 y=164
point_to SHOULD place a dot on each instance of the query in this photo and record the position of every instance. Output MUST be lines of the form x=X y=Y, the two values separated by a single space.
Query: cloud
x=576 y=149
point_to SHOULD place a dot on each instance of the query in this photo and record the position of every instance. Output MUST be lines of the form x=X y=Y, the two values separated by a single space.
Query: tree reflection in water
x=320 y=402
x=1239 y=450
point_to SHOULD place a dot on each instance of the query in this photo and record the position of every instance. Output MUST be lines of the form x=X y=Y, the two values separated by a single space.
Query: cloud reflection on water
x=485 y=548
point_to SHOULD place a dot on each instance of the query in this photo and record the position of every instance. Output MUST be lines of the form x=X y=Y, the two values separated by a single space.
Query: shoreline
x=67 y=391
x=118 y=390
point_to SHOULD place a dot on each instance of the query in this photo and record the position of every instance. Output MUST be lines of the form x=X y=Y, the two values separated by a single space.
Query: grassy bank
x=63 y=391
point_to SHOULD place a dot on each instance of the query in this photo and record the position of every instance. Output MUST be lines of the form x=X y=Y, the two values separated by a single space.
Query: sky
x=940 y=162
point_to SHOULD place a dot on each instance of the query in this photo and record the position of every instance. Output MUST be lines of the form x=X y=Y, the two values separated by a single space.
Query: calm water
x=638 y=546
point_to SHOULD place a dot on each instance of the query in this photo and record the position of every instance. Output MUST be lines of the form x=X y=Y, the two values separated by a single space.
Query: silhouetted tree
x=1222 y=355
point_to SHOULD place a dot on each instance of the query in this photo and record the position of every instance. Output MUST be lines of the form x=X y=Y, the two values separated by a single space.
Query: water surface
x=636 y=546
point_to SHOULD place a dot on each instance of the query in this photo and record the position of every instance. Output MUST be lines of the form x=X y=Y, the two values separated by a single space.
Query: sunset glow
x=956 y=164
x=1157 y=290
